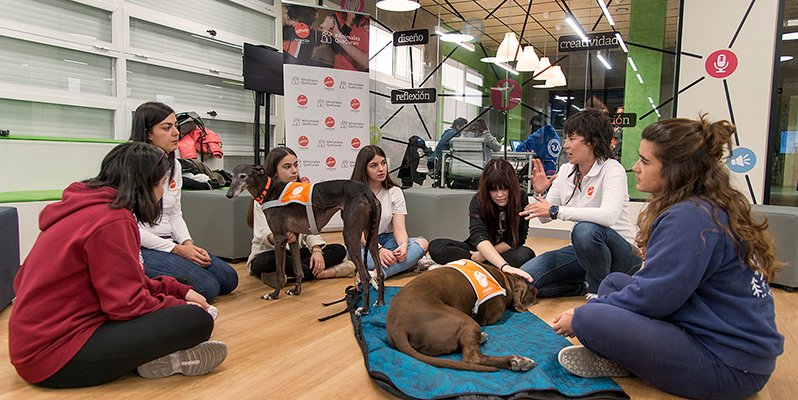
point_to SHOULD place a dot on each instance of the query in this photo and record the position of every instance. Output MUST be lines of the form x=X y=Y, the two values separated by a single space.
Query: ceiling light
x=792 y=22
x=529 y=60
x=467 y=46
x=398 y=5
x=455 y=37
x=632 y=63
x=621 y=42
x=544 y=75
x=490 y=60
x=558 y=78
x=507 y=68
x=509 y=49
x=790 y=36
x=606 y=12
x=785 y=58
x=543 y=86
x=603 y=60
x=578 y=29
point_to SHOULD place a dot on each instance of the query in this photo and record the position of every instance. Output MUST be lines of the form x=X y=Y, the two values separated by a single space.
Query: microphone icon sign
x=721 y=63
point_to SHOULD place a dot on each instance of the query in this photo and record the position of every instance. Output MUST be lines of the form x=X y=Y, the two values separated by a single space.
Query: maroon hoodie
x=83 y=270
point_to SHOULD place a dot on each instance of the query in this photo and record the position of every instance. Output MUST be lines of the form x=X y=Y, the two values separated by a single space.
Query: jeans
x=595 y=252
x=444 y=251
x=333 y=254
x=211 y=281
x=414 y=253
x=659 y=352
x=118 y=347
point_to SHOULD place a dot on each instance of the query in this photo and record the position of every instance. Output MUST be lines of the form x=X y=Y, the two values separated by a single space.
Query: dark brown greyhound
x=360 y=211
x=432 y=315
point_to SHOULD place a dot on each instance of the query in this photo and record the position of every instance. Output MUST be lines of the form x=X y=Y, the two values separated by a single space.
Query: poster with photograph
x=326 y=88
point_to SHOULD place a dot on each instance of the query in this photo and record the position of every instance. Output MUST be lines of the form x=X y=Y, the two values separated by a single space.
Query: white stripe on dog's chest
x=484 y=284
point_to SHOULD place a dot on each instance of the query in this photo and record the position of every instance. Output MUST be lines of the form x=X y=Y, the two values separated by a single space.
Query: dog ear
x=259 y=170
x=523 y=294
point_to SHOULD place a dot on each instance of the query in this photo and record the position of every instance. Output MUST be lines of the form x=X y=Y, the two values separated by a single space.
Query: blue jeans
x=659 y=352
x=218 y=278
x=414 y=253
x=595 y=252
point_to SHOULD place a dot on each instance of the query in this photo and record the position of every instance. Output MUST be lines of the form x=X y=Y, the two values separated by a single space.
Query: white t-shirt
x=393 y=202
x=603 y=197
x=171 y=227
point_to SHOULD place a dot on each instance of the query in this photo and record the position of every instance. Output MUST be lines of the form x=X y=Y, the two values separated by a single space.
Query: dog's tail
x=403 y=344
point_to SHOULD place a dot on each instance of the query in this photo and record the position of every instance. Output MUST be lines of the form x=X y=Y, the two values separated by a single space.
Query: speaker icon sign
x=741 y=160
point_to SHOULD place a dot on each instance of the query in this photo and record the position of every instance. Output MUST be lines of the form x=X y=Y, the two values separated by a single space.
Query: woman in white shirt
x=590 y=190
x=397 y=251
x=319 y=260
x=166 y=247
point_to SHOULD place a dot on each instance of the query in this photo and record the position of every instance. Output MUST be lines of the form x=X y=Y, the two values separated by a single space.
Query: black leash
x=351 y=291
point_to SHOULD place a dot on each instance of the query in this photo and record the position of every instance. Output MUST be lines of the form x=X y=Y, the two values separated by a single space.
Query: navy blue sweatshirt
x=694 y=279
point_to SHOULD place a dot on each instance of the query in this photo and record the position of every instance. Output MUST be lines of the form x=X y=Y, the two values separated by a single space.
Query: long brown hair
x=499 y=174
x=693 y=155
x=364 y=157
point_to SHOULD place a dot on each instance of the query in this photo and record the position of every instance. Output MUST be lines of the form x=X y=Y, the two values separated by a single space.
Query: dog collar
x=262 y=194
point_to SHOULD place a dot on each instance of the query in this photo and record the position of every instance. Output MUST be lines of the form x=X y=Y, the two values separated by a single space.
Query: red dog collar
x=262 y=194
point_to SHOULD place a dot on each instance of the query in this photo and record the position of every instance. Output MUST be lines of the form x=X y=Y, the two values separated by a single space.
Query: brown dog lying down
x=435 y=314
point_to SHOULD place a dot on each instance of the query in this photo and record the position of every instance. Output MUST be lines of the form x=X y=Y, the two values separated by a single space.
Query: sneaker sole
x=198 y=360
x=580 y=361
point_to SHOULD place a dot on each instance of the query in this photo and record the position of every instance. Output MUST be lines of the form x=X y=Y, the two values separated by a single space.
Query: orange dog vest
x=300 y=193
x=485 y=285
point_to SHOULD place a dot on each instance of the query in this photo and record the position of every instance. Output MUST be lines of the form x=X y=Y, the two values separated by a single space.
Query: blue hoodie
x=545 y=142
x=693 y=278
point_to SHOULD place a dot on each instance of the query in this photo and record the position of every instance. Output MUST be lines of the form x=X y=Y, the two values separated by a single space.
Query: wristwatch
x=553 y=211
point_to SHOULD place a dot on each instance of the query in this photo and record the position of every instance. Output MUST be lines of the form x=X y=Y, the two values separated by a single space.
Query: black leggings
x=333 y=254
x=444 y=251
x=118 y=347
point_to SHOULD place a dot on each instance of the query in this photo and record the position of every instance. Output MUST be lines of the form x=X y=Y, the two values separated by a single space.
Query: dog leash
x=350 y=290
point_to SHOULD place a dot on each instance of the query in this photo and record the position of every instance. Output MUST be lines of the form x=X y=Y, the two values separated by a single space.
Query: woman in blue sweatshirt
x=698 y=319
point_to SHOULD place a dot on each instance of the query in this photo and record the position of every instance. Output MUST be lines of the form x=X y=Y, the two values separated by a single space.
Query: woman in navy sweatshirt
x=698 y=319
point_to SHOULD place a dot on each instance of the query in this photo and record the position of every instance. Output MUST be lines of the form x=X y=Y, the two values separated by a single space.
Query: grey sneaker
x=198 y=360
x=424 y=263
x=582 y=362
x=590 y=296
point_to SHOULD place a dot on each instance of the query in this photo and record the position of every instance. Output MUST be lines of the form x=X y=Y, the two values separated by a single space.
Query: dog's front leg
x=279 y=252
x=294 y=246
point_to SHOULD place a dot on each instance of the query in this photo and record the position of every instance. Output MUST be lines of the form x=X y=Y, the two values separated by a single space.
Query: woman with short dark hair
x=85 y=313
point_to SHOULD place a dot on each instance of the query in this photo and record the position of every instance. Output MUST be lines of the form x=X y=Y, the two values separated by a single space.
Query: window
x=393 y=61
x=42 y=119
x=459 y=79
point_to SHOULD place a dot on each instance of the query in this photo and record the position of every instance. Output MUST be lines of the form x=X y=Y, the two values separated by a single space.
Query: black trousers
x=444 y=251
x=118 y=347
x=333 y=254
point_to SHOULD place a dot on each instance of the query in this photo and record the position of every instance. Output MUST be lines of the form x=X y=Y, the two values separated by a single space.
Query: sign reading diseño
x=409 y=38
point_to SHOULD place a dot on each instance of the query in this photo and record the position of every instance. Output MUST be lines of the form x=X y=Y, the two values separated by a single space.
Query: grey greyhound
x=360 y=211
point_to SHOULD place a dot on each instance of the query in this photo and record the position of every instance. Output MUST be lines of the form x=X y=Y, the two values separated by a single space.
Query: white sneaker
x=198 y=360
x=213 y=311
x=591 y=296
x=580 y=361
x=373 y=279
x=424 y=263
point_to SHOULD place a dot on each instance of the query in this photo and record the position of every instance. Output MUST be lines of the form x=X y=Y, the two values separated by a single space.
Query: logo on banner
x=329 y=121
x=297 y=122
x=295 y=80
x=303 y=141
x=721 y=63
x=302 y=100
x=304 y=179
x=505 y=95
x=329 y=81
x=353 y=5
x=413 y=96
x=355 y=143
x=354 y=104
x=321 y=143
x=302 y=31
x=595 y=41
x=320 y=103
x=345 y=164
x=330 y=162
x=591 y=191
x=409 y=38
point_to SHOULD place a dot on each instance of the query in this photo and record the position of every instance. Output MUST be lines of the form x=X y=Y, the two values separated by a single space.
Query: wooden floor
x=279 y=351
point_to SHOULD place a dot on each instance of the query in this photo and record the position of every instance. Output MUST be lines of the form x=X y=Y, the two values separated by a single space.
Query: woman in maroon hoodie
x=85 y=313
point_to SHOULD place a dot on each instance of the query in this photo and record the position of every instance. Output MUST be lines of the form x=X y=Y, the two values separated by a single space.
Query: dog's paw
x=519 y=363
x=268 y=296
x=379 y=303
x=361 y=311
x=483 y=337
x=293 y=292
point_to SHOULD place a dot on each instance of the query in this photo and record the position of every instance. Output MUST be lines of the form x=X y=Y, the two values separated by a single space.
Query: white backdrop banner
x=326 y=89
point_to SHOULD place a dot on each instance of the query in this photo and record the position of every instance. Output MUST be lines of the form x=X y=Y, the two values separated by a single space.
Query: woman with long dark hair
x=496 y=231
x=85 y=313
x=698 y=320
x=166 y=245
x=319 y=260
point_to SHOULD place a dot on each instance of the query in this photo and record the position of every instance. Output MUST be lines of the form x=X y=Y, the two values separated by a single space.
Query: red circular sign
x=505 y=95
x=355 y=104
x=355 y=143
x=330 y=162
x=304 y=179
x=302 y=99
x=721 y=64
x=303 y=141
x=172 y=184
x=302 y=31
x=329 y=121
x=329 y=81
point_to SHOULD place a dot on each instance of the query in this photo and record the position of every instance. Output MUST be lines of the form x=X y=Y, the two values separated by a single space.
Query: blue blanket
x=515 y=333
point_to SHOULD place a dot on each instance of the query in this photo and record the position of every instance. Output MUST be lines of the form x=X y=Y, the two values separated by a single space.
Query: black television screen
x=263 y=69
